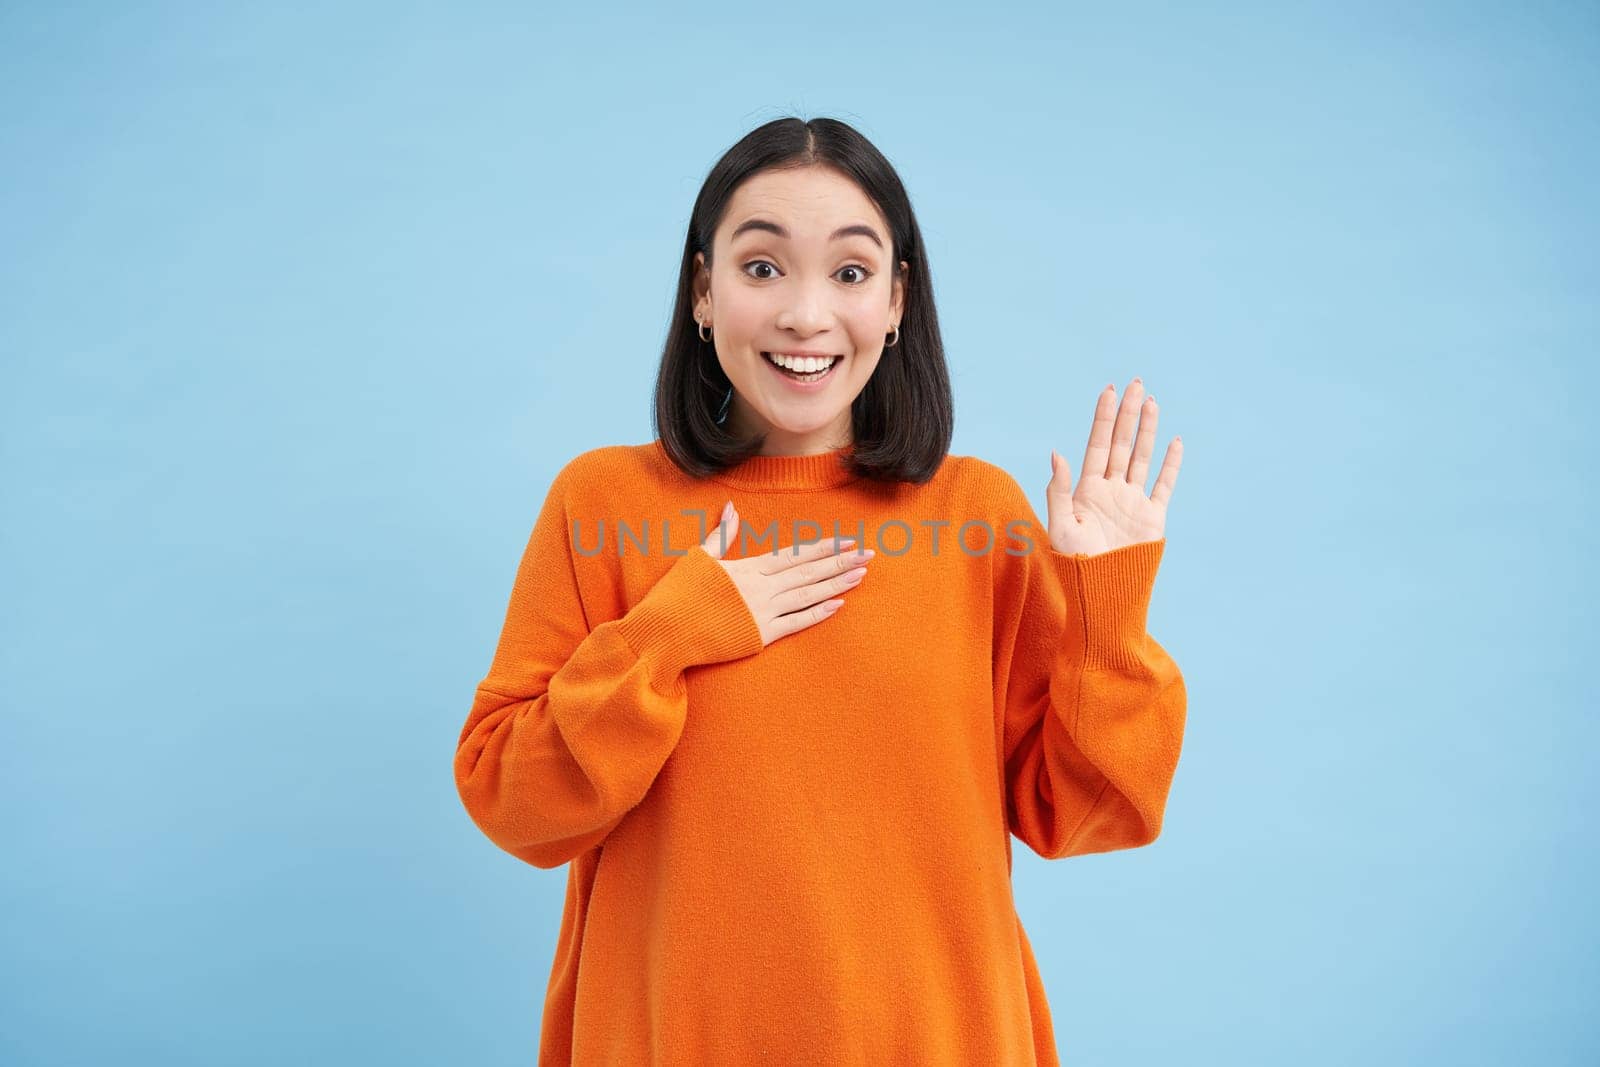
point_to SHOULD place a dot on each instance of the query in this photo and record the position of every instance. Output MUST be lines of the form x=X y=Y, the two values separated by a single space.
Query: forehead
x=811 y=202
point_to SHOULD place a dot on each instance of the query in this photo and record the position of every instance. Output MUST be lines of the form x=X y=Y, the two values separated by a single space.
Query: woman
x=788 y=825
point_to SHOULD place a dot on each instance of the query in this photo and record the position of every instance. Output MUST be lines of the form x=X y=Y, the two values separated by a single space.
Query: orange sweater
x=801 y=853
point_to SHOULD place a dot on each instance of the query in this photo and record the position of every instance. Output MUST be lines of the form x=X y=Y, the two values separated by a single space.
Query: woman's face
x=784 y=279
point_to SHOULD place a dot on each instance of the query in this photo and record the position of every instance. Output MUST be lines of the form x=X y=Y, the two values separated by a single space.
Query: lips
x=806 y=381
x=831 y=357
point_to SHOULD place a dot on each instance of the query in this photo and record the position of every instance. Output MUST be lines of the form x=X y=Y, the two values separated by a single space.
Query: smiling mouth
x=813 y=376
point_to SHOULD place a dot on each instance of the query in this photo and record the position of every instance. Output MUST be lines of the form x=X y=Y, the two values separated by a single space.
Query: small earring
x=700 y=328
x=896 y=340
x=722 y=413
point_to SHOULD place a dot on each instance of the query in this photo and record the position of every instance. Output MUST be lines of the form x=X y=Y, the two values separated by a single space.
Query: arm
x=1094 y=708
x=571 y=725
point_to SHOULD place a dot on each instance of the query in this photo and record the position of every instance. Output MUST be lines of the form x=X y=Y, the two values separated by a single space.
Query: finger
x=1122 y=434
x=804 y=596
x=716 y=542
x=1144 y=444
x=1098 y=453
x=1167 y=479
x=1060 y=474
x=823 y=569
x=1058 y=492
x=784 y=625
x=800 y=553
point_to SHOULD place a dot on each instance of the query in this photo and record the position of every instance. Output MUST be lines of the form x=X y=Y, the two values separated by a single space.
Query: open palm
x=1109 y=508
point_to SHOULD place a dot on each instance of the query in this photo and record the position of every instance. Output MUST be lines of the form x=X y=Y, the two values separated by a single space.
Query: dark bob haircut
x=904 y=418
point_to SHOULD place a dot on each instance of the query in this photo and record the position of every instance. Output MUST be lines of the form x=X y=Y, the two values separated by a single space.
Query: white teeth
x=802 y=364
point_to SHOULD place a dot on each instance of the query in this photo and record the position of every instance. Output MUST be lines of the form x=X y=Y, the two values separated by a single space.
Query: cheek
x=867 y=330
x=743 y=309
x=745 y=320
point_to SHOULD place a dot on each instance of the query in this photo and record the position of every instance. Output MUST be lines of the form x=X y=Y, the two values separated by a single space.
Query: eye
x=757 y=263
x=860 y=270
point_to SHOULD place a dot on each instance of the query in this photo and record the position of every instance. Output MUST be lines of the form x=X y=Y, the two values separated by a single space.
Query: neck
x=781 y=442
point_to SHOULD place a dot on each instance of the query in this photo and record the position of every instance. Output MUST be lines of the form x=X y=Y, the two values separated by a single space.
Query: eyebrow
x=856 y=230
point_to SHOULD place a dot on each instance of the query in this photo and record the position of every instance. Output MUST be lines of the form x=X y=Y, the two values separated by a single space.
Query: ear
x=897 y=296
x=700 y=284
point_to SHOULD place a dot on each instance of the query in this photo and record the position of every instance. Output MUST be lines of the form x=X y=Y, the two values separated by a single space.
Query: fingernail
x=727 y=510
x=865 y=553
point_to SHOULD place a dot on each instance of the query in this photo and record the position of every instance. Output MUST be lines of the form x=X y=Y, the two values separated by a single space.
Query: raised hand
x=1109 y=508
x=787 y=591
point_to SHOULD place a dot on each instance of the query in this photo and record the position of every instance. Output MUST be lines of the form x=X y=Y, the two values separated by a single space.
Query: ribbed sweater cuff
x=693 y=615
x=1111 y=590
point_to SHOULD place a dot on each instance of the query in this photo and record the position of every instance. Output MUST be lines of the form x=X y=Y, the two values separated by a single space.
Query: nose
x=807 y=311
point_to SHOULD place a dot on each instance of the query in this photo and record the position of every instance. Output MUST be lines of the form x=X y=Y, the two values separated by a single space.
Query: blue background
x=303 y=308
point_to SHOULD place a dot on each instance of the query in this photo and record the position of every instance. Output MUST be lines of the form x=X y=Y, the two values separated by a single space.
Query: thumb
x=716 y=541
x=1058 y=493
x=1060 y=475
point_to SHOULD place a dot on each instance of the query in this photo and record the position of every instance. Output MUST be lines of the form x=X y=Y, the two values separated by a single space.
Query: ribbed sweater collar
x=820 y=470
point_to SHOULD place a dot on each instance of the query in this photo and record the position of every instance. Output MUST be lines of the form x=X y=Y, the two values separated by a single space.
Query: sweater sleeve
x=1093 y=707
x=571 y=725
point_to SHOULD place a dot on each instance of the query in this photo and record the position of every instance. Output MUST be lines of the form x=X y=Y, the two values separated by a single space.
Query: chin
x=806 y=425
